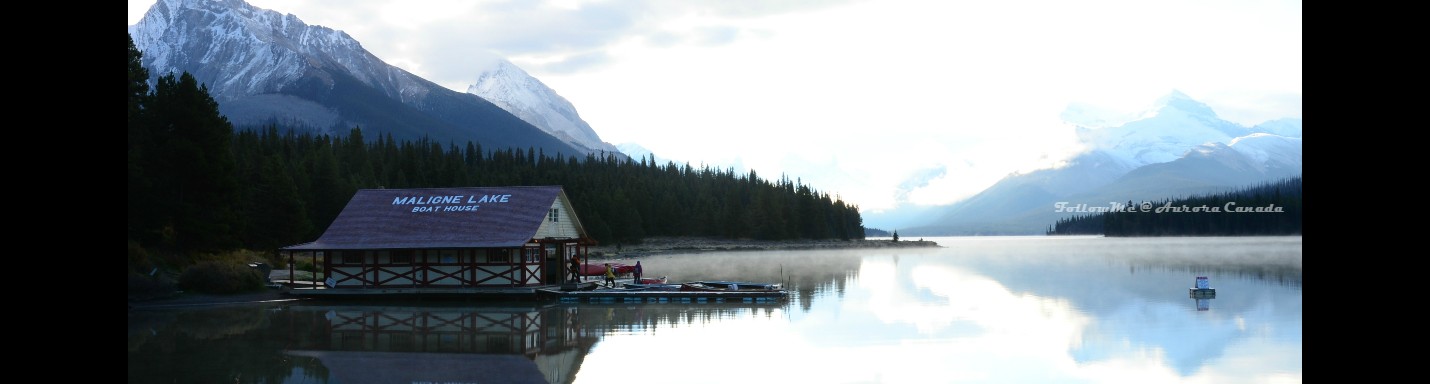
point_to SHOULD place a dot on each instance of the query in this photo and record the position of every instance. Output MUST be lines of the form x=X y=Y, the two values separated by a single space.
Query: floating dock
x=582 y=292
x=514 y=293
x=1202 y=289
x=639 y=296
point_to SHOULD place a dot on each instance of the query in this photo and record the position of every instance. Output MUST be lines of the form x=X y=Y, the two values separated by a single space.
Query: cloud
x=574 y=63
x=714 y=36
x=919 y=179
x=881 y=102
x=558 y=39
x=436 y=39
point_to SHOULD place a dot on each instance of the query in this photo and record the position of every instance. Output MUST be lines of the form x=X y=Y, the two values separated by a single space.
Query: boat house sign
x=448 y=203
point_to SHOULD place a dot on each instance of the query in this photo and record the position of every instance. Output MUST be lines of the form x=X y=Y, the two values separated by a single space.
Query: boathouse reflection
x=515 y=344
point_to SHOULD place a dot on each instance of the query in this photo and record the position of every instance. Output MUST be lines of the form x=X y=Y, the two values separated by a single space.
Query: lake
x=997 y=309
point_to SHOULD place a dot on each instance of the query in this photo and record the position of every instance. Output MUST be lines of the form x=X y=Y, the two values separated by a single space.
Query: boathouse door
x=553 y=265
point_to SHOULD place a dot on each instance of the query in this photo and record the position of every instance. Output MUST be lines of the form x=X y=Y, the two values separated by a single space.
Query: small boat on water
x=730 y=286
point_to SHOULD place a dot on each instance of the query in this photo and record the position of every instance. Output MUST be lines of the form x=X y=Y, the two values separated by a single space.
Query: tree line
x=1271 y=208
x=199 y=185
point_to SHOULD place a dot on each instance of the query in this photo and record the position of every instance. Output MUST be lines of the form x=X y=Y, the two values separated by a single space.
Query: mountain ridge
x=516 y=91
x=263 y=67
x=1179 y=148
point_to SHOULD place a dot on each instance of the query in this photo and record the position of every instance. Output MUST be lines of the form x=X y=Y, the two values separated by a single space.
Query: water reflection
x=389 y=344
x=436 y=342
x=1082 y=310
x=228 y=344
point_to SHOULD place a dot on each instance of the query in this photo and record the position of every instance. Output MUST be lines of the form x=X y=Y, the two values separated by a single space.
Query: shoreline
x=653 y=246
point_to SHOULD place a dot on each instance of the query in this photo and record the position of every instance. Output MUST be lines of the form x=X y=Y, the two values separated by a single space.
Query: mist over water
x=976 y=309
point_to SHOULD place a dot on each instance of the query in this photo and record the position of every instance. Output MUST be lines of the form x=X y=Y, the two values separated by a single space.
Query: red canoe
x=600 y=269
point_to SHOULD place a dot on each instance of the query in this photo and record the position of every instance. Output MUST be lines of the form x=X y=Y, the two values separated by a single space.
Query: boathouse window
x=498 y=256
x=554 y=215
x=400 y=257
x=533 y=255
x=448 y=256
x=351 y=257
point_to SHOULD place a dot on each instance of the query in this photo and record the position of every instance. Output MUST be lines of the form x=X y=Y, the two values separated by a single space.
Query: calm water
x=976 y=310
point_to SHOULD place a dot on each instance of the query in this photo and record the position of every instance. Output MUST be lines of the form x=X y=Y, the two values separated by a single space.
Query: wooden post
x=291 y=276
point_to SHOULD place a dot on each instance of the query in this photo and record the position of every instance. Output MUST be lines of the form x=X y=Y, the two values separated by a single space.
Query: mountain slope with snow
x=515 y=91
x=263 y=67
x=1164 y=133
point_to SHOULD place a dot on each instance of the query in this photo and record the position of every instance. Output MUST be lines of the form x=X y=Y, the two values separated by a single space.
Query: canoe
x=600 y=269
x=653 y=287
x=730 y=286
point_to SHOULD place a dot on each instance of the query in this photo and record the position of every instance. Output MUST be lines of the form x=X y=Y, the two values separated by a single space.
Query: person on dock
x=637 y=273
x=575 y=268
x=610 y=276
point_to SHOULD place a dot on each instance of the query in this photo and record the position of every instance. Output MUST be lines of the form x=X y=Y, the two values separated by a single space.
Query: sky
x=881 y=103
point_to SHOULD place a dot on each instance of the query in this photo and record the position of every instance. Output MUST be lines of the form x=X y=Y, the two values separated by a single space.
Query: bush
x=277 y=261
x=143 y=285
x=305 y=265
x=220 y=276
x=139 y=258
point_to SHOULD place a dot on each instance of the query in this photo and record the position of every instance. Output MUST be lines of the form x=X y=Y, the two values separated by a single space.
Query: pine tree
x=279 y=217
x=193 y=167
x=141 y=222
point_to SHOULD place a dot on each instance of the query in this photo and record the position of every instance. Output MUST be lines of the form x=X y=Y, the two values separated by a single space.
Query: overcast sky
x=876 y=102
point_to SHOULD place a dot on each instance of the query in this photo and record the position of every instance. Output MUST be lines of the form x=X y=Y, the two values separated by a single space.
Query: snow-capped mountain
x=264 y=67
x=1164 y=133
x=512 y=89
x=636 y=151
x=1091 y=116
x=1269 y=152
x=1177 y=149
x=250 y=50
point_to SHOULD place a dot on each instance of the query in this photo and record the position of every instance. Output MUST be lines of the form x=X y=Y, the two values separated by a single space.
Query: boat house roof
x=478 y=217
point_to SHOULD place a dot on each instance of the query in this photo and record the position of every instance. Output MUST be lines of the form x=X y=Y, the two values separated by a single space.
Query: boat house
x=442 y=238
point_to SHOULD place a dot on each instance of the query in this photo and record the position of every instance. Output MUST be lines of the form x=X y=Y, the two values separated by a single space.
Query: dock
x=570 y=292
x=602 y=295
x=1202 y=289
x=1201 y=292
x=512 y=293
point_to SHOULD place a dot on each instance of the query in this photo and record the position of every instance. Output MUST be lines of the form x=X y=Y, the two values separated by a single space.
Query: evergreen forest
x=198 y=185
